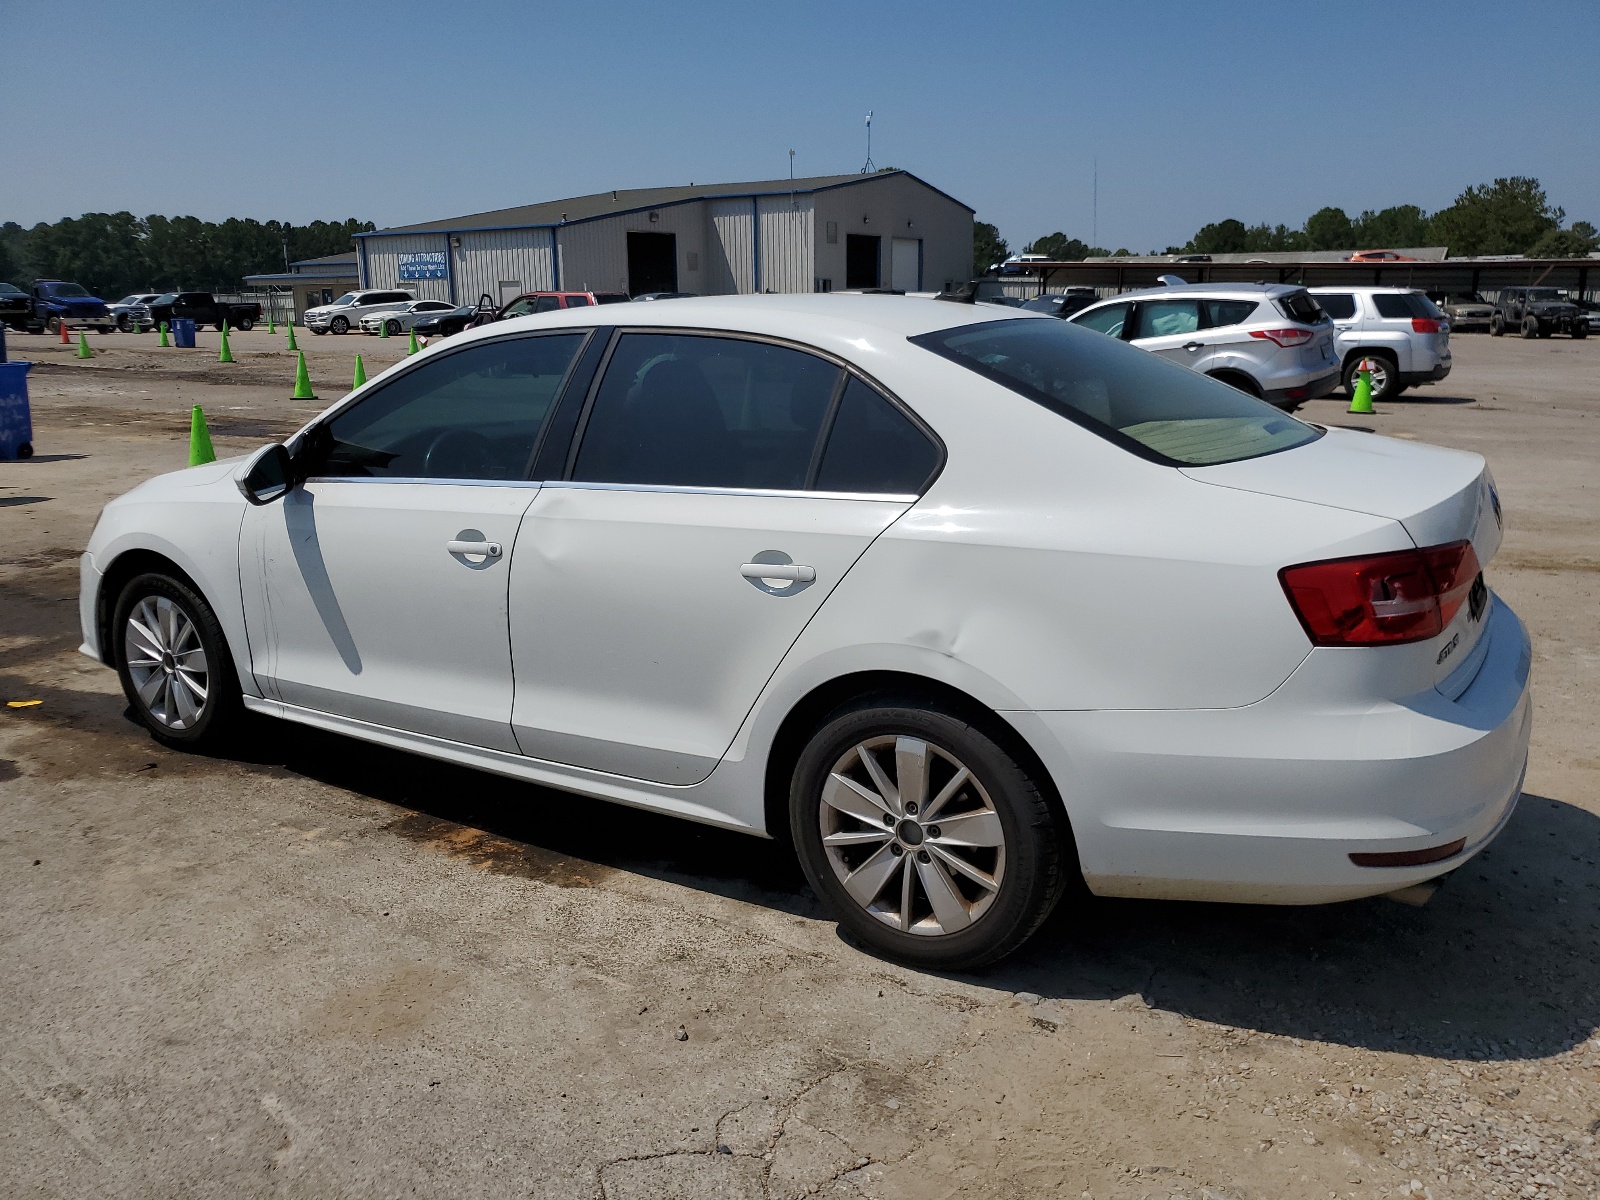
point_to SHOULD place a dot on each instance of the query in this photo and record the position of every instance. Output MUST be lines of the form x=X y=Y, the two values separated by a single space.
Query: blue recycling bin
x=16 y=418
x=183 y=333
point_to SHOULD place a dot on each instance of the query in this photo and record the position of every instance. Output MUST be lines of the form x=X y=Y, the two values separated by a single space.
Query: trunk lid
x=1437 y=495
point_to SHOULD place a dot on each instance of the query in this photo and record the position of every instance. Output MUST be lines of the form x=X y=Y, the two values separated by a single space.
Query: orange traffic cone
x=65 y=340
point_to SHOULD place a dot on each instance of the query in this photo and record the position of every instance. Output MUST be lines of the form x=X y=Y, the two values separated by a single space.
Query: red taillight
x=1284 y=337
x=1381 y=599
x=1424 y=325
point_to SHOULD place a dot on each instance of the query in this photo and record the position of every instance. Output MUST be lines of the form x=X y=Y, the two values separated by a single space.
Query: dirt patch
x=1547 y=562
x=389 y=1009
x=498 y=855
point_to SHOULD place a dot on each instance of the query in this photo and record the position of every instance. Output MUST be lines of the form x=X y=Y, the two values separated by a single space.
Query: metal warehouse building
x=822 y=234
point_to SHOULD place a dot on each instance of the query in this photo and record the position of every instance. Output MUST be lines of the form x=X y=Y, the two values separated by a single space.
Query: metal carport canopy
x=1451 y=275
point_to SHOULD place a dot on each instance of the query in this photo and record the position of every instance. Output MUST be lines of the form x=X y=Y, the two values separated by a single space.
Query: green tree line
x=113 y=254
x=1508 y=216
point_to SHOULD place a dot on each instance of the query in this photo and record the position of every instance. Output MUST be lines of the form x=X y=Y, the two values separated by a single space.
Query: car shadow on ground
x=1499 y=965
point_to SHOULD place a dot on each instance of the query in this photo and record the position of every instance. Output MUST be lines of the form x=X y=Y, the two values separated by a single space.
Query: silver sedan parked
x=399 y=320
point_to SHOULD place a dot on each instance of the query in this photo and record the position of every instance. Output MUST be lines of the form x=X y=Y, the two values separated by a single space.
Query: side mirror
x=266 y=477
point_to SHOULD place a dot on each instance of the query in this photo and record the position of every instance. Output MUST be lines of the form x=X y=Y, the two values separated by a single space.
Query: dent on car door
x=376 y=589
x=720 y=489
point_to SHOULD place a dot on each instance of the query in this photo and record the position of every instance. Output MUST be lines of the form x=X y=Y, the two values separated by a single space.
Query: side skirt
x=654 y=798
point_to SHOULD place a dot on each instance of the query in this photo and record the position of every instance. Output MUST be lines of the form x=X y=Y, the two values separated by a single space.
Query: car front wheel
x=1497 y=326
x=339 y=325
x=1530 y=327
x=172 y=658
x=928 y=840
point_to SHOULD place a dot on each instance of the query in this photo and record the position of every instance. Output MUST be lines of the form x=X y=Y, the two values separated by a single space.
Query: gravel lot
x=327 y=969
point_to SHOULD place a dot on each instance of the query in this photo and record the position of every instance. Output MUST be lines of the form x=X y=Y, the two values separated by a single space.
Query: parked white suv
x=348 y=309
x=1404 y=334
x=1269 y=339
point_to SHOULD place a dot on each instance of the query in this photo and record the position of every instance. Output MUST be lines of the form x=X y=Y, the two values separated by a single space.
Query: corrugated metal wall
x=786 y=250
x=383 y=264
x=484 y=261
x=730 y=263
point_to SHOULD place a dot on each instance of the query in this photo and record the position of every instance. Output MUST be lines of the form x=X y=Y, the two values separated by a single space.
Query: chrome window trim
x=692 y=490
x=519 y=483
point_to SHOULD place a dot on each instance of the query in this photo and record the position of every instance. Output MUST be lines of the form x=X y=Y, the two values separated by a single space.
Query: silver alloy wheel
x=166 y=661
x=919 y=865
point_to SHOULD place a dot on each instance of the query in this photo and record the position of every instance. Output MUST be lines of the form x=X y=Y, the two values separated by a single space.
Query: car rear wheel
x=1580 y=331
x=339 y=325
x=172 y=658
x=246 y=324
x=1530 y=327
x=927 y=839
x=1385 y=375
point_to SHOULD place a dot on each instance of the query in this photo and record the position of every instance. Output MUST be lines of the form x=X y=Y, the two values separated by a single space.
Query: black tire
x=393 y=327
x=1530 y=328
x=1239 y=382
x=125 y=324
x=339 y=325
x=319 y=332
x=1032 y=862
x=52 y=325
x=1385 y=377
x=24 y=449
x=246 y=324
x=1497 y=326
x=1579 y=332
x=217 y=717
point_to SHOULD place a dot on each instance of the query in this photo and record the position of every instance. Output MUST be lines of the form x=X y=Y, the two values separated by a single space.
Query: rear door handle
x=487 y=549
x=790 y=571
x=1191 y=347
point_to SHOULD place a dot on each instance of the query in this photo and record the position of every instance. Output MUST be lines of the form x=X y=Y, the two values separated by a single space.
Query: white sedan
x=965 y=602
x=401 y=319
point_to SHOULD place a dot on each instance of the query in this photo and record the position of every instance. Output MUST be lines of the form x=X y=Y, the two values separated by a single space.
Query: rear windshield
x=1149 y=406
x=1302 y=307
x=1404 y=305
x=611 y=297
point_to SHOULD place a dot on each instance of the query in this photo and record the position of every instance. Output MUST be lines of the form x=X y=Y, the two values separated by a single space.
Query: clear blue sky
x=399 y=112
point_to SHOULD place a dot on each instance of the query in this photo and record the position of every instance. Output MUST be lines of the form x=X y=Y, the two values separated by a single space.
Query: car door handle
x=487 y=549
x=790 y=571
x=1191 y=347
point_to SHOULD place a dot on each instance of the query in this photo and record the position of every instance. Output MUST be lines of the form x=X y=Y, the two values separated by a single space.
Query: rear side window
x=1341 y=307
x=1301 y=306
x=1217 y=314
x=577 y=302
x=1107 y=320
x=873 y=447
x=687 y=410
x=1391 y=305
x=474 y=414
x=1163 y=318
x=546 y=304
x=1140 y=401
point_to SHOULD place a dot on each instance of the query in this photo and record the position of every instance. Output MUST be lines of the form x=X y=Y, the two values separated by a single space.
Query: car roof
x=1364 y=288
x=818 y=318
x=1211 y=289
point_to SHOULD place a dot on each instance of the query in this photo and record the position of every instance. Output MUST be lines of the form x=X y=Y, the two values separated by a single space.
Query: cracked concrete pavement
x=328 y=969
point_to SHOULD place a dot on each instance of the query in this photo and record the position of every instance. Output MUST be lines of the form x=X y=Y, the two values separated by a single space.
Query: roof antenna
x=869 y=168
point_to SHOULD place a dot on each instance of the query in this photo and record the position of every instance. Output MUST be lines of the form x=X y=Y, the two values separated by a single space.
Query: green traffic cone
x=290 y=328
x=302 y=381
x=361 y=374
x=200 y=451
x=414 y=346
x=164 y=341
x=83 y=345
x=383 y=329
x=272 y=326
x=1361 y=400
x=224 y=354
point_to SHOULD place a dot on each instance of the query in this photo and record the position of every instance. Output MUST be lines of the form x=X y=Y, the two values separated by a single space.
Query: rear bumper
x=1265 y=804
x=1439 y=371
x=1290 y=398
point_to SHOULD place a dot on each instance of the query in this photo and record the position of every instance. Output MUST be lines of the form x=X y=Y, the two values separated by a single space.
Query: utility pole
x=1094 y=220
x=869 y=168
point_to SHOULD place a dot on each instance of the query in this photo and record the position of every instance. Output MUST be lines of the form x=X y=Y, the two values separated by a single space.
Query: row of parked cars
x=51 y=303
x=1287 y=344
x=379 y=310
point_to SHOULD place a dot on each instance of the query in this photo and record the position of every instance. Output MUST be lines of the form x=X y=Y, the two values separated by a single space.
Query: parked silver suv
x=1269 y=339
x=1401 y=331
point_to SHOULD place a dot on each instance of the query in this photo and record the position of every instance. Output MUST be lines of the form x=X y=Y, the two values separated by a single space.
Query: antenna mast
x=1094 y=226
x=869 y=168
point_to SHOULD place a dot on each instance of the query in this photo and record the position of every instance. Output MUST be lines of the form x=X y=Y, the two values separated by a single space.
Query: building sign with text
x=427 y=264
